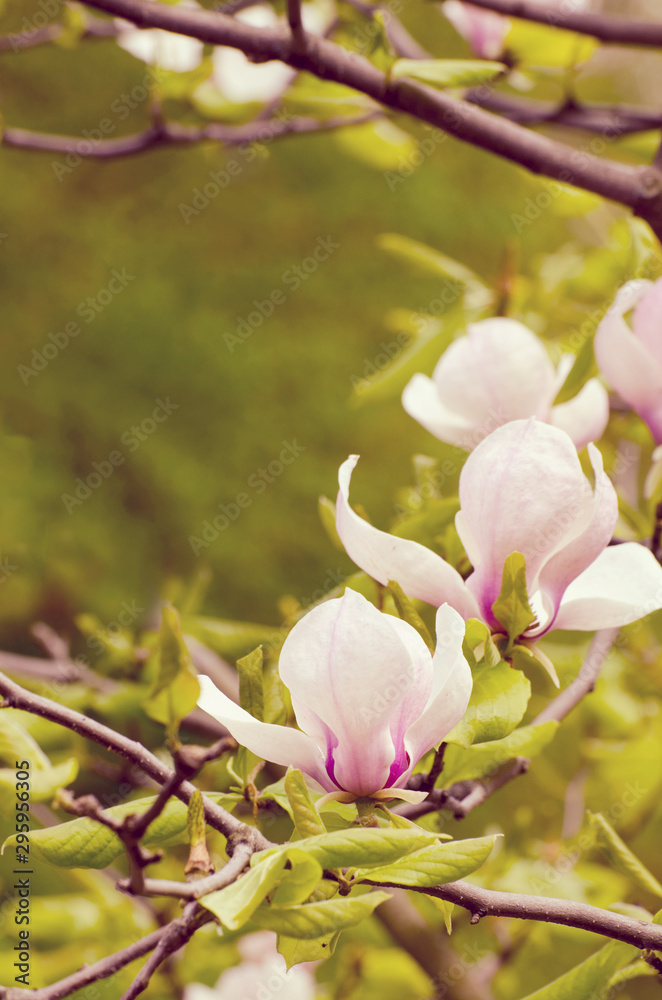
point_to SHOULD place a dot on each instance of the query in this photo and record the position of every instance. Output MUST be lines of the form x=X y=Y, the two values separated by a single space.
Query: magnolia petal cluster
x=521 y=490
x=369 y=697
x=500 y=372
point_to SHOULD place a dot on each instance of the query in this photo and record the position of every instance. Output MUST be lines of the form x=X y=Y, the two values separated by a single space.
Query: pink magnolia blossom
x=261 y=973
x=521 y=490
x=484 y=30
x=630 y=356
x=499 y=372
x=367 y=693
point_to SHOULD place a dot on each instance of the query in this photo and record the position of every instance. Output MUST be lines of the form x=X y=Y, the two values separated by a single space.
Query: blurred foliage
x=156 y=379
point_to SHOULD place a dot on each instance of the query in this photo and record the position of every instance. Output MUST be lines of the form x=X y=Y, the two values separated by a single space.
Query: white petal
x=422 y=401
x=623 y=359
x=585 y=417
x=279 y=744
x=358 y=676
x=419 y=571
x=451 y=687
x=587 y=538
x=499 y=372
x=646 y=320
x=621 y=586
x=170 y=51
x=521 y=490
x=241 y=81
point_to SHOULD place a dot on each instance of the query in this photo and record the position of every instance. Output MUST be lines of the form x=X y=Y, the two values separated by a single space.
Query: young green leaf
x=592 y=977
x=486 y=758
x=313 y=920
x=296 y=950
x=498 y=702
x=307 y=820
x=408 y=613
x=251 y=684
x=435 y=865
x=359 y=847
x=175 y=690
x=300 y=881
x=16 y=743
x=448 y=72
x=621 y=856
x=512 y=608
x=236 y=904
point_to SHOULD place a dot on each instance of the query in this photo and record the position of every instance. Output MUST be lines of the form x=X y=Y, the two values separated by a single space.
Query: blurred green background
x=161 y=337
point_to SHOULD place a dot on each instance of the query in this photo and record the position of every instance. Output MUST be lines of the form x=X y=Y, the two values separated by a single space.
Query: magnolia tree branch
x=609 y=120
x=604 y=27
x=465 y=796
x=162 y=133
x=638 y=188
x=217 y=817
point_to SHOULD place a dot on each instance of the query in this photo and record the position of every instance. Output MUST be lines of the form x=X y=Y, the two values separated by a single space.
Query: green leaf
x=84 y=843
x=232 y=639
x=583 y=368
x=175 y=690
x=251 y=683
x=589 y=978
x=327 y=512
x=237 y=903
x=296 y=950
x=360 y=847
x=16 y=743
x=299 y=881
x=313 y=920
x=621 y=856
x=409 y=614
x=307 y=820
x=512 y=608
x=438 y=264
x=448 y=72
x=435 y=865
x=484 y=759
x=498 y=702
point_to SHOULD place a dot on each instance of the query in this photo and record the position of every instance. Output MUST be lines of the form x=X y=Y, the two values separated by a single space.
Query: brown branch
x=606 y=28
x=217 y=817
x=612 y=120
x=163 y=133
x=463 y=797
x=200 y=887
x=638 y=188
x=488 y=902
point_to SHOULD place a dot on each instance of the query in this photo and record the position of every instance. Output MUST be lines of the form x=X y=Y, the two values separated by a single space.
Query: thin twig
x=200 y=887
x=217 y=817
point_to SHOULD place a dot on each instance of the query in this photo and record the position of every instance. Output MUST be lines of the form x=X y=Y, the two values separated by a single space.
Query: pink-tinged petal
x=279 y=744
x=451 y=688
x=521 y=490
x=586 y=416
x=587 y=538
x=357 y=672
x=626 y=361
x=647 y=320
x=419 y=571
x=484 y=30
x=421 y=400
x=621 y=586
x=499 y=372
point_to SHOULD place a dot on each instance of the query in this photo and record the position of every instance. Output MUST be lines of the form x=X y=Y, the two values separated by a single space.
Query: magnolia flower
x=521 y=490
x=164 y=49
x=367 y=693
x=630 y=357
x=484 y=30
x=241 y=81
x=262 y=972
x=500 y=372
